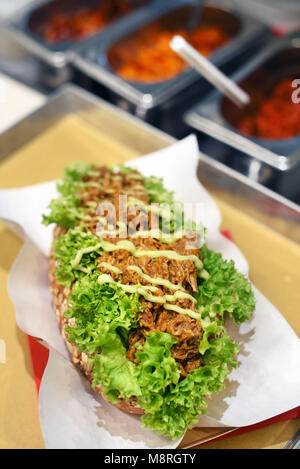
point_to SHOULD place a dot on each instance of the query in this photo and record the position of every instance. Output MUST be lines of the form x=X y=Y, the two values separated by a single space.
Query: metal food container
x=272 y=162
x=160 y=101
x=30 y=24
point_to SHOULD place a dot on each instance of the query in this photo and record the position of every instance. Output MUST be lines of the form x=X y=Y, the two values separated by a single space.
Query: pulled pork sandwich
x=140 y=299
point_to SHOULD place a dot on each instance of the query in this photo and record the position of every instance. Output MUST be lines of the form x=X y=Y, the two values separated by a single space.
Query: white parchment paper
x=266 y=383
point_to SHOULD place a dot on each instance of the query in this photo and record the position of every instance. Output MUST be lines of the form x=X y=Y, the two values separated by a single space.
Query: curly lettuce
x=172 y=404
x=156 y=190
x=226 y=289
x=112 y=371
x=93 y=305
x=104 y=315
x=65 y=210
x=66 y=247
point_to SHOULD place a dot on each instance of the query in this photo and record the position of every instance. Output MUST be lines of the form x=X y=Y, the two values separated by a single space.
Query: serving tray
x=272 y=162
x=75 y=125
x=162 y=103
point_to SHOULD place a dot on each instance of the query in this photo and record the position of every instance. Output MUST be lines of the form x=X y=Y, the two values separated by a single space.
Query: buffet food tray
x=143 y=99
x=56 y=53
x=86 y=61
x=272 y=162
x=54 y=57
x=75 y=125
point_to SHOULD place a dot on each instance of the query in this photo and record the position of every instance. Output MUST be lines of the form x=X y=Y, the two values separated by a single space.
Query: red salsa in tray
x=276 y=116
x=75 y=20
x=145 y=55
x=272 y=114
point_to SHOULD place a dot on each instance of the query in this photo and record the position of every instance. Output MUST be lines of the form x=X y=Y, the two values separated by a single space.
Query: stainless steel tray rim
x=55 y=59
x=162 y=90
x=241 y=143
x=18 y=25
x=207 y=117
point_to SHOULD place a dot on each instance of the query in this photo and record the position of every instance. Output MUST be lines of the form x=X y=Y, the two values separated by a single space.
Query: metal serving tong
x=227 y=86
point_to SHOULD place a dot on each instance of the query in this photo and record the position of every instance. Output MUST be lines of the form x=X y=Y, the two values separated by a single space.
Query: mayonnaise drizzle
x=180 y=291
x=110 y=267
x=142 y=290
x=169 y=254
x=155 y=281
x=76 y=261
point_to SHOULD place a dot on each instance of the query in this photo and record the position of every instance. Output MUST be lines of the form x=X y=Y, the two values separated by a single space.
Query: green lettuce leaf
x=104 y=315
x=226 y=289
x=112 y=370
x=157 y=370
x=156 y=190
x=65 y=210
x=65 y=249
x=171 y=404
x=92 y=305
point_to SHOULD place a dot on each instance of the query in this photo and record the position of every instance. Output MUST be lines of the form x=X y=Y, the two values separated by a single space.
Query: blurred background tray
x=162 y=101
x=31 y=27
x=90 y=61
x=273 y=162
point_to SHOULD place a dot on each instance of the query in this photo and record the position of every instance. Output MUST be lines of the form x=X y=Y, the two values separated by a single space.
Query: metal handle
x=179 y=45
x=237 y=141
